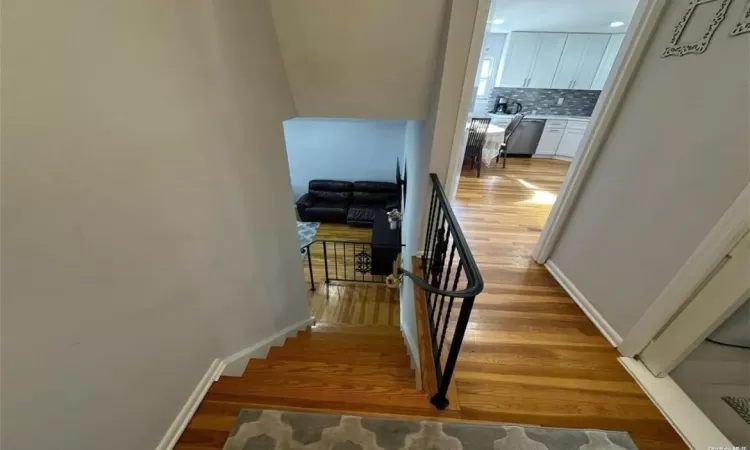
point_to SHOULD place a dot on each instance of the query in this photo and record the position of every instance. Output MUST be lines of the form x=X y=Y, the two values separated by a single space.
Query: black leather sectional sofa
x=355 y=203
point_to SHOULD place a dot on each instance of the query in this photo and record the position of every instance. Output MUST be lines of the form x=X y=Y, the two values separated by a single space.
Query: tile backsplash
x=576 y=102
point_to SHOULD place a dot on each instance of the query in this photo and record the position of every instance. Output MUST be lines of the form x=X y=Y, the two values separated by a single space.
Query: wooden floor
x=530 y=354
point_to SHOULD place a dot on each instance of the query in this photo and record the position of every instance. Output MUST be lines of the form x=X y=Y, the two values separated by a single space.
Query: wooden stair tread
x=333 y=356
x=346 y=336
x=322 y=368
x=344 y=393
x=356 y=329
x=421 y=409
x=365 y=345
x=279 y=378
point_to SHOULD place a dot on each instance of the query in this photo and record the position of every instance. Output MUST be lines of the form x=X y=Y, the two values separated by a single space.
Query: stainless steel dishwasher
x=525 y=138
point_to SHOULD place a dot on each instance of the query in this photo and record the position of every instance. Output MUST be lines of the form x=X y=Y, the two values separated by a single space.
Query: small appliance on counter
x=503 y=105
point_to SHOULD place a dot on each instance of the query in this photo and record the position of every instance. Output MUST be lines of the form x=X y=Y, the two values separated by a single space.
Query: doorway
x=576 y=115
x=705 y=348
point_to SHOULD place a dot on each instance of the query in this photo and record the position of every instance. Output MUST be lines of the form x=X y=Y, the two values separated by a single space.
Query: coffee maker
x=503 y=105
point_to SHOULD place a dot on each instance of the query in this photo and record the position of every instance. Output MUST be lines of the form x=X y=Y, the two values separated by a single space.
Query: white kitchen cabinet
x=532 y=59
x=549 y=142
x=592 y=58
x=519 y=59
x=545 y=62
x=608 y=61
x=580 y=61
x=571 y=140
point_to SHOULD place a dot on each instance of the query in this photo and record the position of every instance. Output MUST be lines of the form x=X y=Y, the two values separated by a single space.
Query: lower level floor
x=530 y=354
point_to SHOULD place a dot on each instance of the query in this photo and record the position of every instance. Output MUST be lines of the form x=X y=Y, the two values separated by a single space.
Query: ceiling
x=592 y=16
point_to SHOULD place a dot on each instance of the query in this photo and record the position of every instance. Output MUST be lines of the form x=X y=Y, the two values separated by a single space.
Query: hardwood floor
x=355 y=304
x=530 y=355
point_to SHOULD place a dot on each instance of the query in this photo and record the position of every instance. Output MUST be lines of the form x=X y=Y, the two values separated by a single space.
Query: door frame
x=689 y=279
x=644 y=23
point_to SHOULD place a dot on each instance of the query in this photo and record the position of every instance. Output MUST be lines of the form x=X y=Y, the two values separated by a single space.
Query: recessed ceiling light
x=616 y=24
x=498 y=21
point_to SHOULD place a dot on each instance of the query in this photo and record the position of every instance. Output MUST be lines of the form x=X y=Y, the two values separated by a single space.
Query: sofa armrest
x=305 y=201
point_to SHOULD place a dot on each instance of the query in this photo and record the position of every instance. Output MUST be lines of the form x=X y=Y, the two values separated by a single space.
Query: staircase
x=337 y=367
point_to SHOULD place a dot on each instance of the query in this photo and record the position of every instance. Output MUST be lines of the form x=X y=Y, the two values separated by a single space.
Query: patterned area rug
x=306 y=232
x=741 y=405
x=281 y=430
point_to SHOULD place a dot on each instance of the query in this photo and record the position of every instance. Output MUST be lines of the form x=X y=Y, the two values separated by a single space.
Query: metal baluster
x=325 y=260
x=309 y=265
x=425 y=253
x=440 y=400
x=450 y=307
x=346 y=276
x=440 y=247
x=439 y=217
x=445 y=285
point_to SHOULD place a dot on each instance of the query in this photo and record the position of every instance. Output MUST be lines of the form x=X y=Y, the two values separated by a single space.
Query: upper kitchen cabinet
x=532 y=59
x=608 y=61
x=547 y=57
x=580 y=61
x=519 y=60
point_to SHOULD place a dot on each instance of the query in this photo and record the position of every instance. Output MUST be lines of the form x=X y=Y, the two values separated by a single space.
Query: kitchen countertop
x=539 y=116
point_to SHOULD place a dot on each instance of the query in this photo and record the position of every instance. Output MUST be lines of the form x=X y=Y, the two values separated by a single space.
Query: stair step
x=333 y=355
x=323 y=369
x=356 y=329
x=275 y=377
x=348 y=392
x=418 y=408
x=340 y=347
x=321 y=342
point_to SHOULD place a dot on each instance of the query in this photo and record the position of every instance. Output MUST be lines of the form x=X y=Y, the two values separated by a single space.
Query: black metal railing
x=450 y=276
x=353 y=261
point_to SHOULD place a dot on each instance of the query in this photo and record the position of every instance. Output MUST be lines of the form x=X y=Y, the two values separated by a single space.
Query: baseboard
x=686 y=418
x=186 y=413
x=604 y=327
x=227 y=366
x=236 y=363
x=413 y=350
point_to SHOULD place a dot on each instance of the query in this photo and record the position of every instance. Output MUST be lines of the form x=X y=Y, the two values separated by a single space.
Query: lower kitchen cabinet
x=549 y=142
x=571 y=140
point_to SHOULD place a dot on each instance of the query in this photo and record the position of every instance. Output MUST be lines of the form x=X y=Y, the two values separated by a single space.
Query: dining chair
x=475 y=142
x=512 y=126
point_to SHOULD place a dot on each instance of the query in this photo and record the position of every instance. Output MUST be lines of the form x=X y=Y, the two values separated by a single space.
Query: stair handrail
x=444 y=231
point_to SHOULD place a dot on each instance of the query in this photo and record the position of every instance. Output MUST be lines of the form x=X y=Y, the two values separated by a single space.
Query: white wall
x=452 y=68
x=360 y=59
x=342 y=149
x=677 y=156
x=140 y=141
x=416 y=161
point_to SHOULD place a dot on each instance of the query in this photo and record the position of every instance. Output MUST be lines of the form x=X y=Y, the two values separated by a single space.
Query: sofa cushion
x=380 y=198
x=331 y=190
x=361 y=214
x=375 y=186
x=331 y=196
x=375 y=192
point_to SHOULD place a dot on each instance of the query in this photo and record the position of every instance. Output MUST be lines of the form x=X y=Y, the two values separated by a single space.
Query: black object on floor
x=386 y=245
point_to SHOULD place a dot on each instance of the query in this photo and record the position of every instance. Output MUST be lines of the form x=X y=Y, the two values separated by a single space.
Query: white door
x=521 y=53
x=572 y=54
x=725 y=291
x=596 y=44
x=570 y=142
x=608 y=61
x=548 y=56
